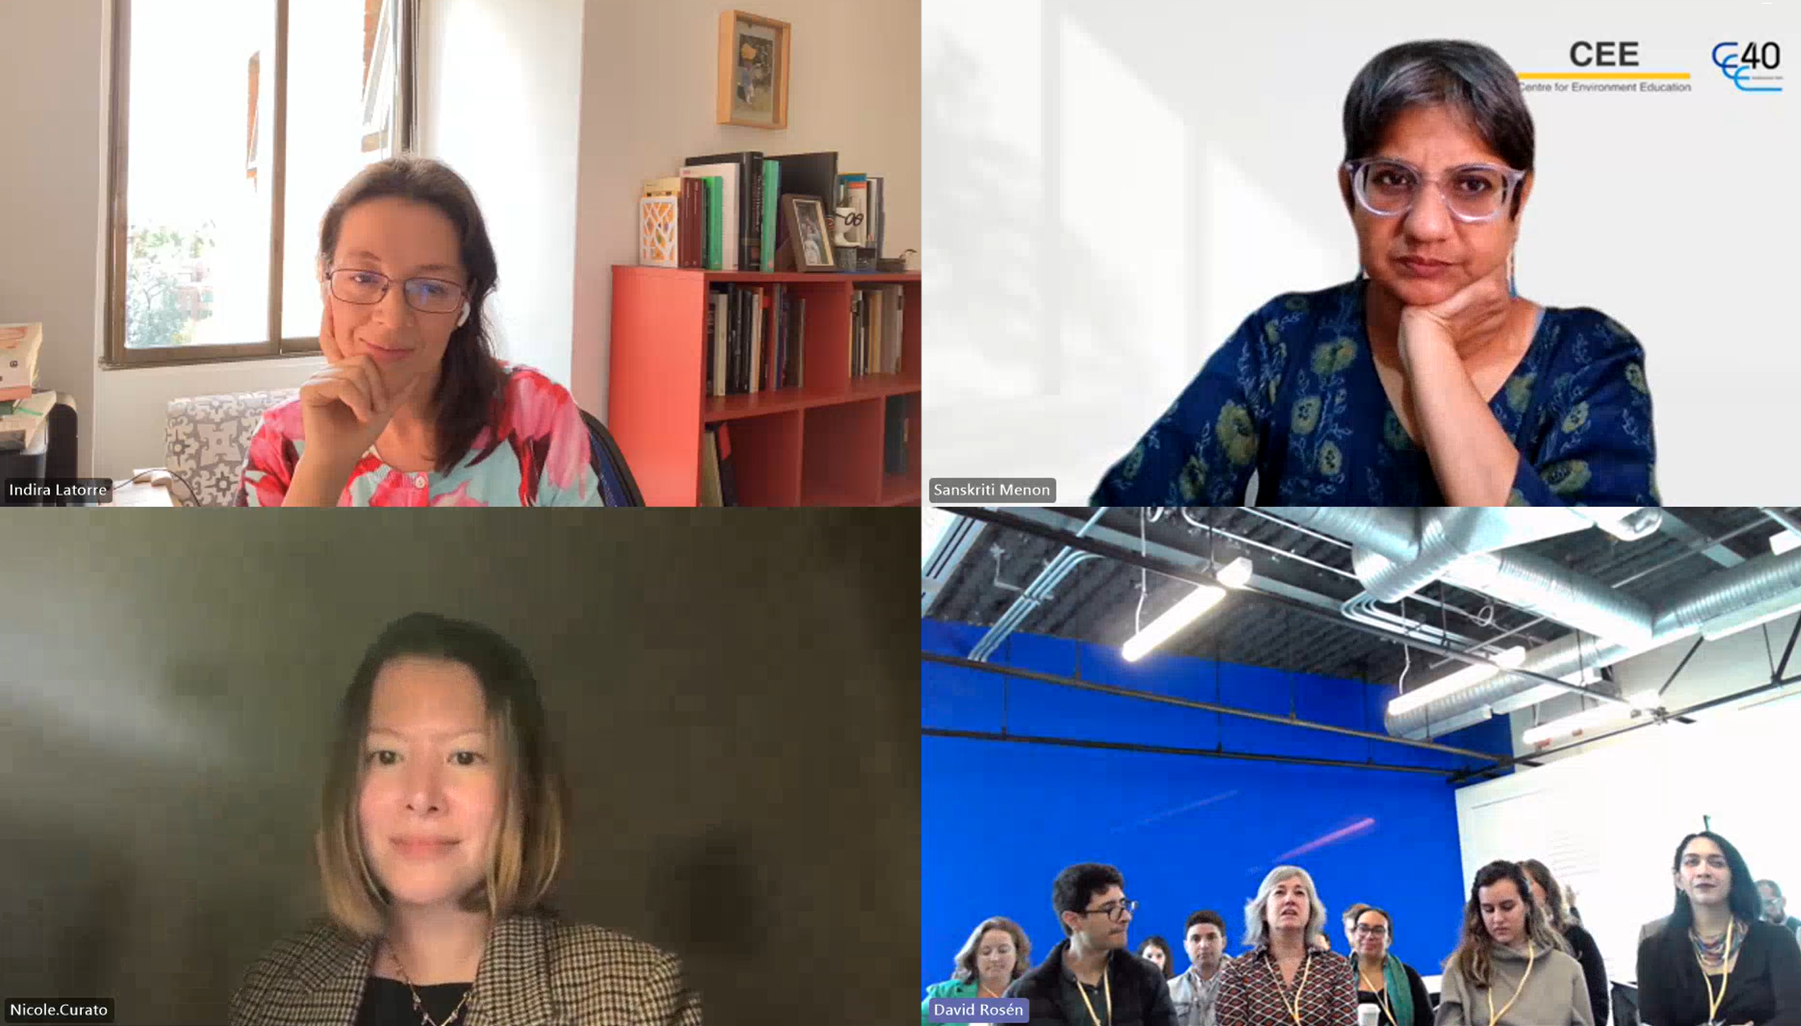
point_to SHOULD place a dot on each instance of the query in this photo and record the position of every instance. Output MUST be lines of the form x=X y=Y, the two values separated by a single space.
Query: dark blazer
x=535 y=971
x=1140 y=995
x=1765 y=986
x=1594 y=971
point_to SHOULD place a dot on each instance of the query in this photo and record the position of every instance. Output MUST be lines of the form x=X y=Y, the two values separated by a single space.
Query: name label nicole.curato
x=995 y=1010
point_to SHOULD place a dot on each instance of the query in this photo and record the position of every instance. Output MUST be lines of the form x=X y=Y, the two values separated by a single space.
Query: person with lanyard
x=1091 y=978
x=1286 y=979
x=1712 y=961
x=1510 y=967
x=1550 y=897
x=997 y=953
x=1384 y=980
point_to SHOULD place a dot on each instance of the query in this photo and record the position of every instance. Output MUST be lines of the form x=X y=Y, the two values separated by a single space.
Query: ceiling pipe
x=1765 y=579
x=1040 y=591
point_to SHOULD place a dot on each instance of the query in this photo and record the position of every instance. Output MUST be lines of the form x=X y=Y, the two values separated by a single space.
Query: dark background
x=734 y=692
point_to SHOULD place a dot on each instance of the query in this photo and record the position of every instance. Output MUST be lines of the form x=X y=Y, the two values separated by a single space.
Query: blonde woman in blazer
x=440 y=836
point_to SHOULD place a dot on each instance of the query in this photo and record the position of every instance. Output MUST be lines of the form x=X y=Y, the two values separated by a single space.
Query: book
x=693 y=226
x=756 y=338
x=748 y=207
x=23 y=421
x=894 y=330
x=895 y=431
x=772 y=195
x=711 y=493
x=724 y=207
x=728 y=473
x=721 y=319
x=876 y=227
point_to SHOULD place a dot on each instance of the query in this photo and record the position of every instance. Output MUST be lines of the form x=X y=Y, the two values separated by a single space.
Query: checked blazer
x=535 y=971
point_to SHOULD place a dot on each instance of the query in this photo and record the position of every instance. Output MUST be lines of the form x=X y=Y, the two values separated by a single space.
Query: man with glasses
x=1775 y=907
x=1195 y=991
x=1092 y=978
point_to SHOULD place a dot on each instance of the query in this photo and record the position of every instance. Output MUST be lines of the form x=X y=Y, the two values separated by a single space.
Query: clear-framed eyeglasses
x=366 y=288
x=1472 y=192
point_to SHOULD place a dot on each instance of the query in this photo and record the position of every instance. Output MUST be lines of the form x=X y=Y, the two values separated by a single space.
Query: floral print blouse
x=539 y=454
x=1294 y=396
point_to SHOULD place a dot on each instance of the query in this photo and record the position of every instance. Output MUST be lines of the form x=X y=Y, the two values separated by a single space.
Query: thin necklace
x=419 y=1006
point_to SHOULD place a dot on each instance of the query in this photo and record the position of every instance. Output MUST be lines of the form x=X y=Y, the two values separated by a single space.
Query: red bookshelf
x=815 y=446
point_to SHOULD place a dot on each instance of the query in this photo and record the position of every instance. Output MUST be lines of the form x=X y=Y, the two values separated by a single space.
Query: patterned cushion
x=207 y=437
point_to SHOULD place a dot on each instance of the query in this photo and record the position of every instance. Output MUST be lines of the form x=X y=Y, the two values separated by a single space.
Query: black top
x=1053 y=998
x=389 y=1003
x=1422 y=1001
x=1764 y=987
x=1588 y=953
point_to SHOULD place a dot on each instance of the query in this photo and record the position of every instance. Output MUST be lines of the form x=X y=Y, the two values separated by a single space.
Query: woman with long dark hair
x=1510 y=968
x=412 y=408
x=1549 y=895
x=1713 y=961
x=1156 y=949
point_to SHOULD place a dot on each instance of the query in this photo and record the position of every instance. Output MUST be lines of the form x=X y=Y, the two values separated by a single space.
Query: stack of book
x=876 y=323
x=753 y=339
x=730 y=218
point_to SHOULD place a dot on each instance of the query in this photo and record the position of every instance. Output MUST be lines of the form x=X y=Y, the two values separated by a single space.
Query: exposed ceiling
x=1098 y=601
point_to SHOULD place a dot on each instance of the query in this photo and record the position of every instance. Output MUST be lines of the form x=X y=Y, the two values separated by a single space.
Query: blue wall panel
x=999 y=819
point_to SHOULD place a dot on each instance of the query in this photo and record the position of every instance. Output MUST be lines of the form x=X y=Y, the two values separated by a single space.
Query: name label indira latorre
x=995 y=1010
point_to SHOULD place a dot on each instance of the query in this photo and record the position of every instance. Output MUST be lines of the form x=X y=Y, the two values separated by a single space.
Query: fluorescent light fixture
x=1784 y=541
x=1448 y=685
x=1755 y=615
x=1600 y=716
x=1235 y=574
x=1176 y=617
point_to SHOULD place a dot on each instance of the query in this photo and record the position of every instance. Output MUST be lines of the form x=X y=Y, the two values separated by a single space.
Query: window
x=234 y=123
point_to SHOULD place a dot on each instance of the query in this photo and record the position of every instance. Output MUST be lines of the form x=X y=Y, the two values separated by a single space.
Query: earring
x=1512 y=290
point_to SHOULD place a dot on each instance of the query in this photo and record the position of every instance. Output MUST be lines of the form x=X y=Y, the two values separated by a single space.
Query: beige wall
x=649 y=75
x=738 y=706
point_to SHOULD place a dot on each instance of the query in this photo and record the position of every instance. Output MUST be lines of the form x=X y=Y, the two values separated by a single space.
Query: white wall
x=648 y=92
x=1607 y=822
x=1114 y=187
x=499 y=101
x=52 y=128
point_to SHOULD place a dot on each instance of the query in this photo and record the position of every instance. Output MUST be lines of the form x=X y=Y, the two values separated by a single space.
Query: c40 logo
x=1741 y=64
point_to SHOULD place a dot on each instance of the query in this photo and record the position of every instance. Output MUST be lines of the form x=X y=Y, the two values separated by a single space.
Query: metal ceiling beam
x=1009 y=519
x=1677 y=528
x=1773 y=683
x=1120 y=746
x=1212 y=707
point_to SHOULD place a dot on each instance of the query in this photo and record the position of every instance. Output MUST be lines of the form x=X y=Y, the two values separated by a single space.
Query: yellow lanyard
x=1294 y=1009
x=1381 y=998
x=1492 y=1017
x=1106 y=989
x=1713 y=1005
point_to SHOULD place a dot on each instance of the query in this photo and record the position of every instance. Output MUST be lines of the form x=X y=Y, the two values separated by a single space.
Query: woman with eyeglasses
x=412 y=408
x=1550 y=897
x=1713 y=960
x=1384 y=980
x=1510 y=968
x=1286 y=979
x=1428 y=380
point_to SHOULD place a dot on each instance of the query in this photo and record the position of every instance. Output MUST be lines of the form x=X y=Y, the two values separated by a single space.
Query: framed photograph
x=753 y=70
x=809 y=240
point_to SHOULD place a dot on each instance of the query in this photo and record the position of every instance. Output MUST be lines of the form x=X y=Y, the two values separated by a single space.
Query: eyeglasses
x=1473 y=192
x=1370 y=931
x=426 y=295
x=1114 y=910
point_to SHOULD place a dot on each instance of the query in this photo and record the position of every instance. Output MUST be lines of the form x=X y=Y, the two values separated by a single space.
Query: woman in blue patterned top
x=1428 y=380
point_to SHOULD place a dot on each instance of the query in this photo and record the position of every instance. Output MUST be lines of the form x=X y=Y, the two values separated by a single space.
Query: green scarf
x=1400 y=991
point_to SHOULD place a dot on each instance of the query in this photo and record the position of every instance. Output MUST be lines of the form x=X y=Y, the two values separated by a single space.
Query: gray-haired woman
x=1286 y=978
x=1428 y=380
